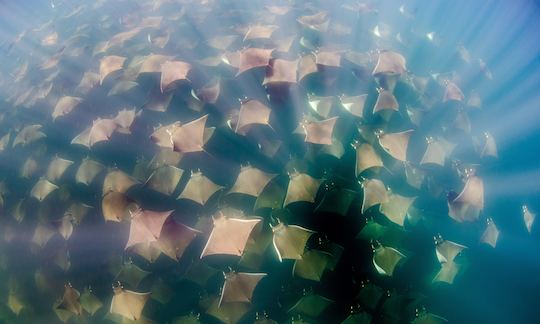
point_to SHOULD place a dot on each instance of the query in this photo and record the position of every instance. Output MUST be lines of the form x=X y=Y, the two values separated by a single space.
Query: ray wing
x=128 y=304
x=229 y=236
x=396 y=144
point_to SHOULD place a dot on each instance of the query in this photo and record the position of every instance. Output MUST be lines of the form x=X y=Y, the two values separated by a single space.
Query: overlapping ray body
x=128 y=304
x=199 y=189
x=146 y=226
x=251 y=181
x=239 y=286
x=189 y=137
x=229 y=235
x=290 y=241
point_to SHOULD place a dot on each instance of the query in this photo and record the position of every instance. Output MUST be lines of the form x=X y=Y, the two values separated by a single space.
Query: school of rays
x=194 y=161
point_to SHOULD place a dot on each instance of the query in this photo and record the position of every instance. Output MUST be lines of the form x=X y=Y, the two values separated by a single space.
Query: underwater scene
x=258 y=161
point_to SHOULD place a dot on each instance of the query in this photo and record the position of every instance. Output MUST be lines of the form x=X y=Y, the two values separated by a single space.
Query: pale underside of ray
x=385 y=260
x=15 y=304
x=436 y=152
x=146 y=226
x=489 y=148
x=19 y=211
x=328 y=58
x=318 y=21
x=302 y=187
x=116 y=206
x=153 y=63
x=453 y=92
x=162 y=135
x=260 y=32
x=101 y=130
x=128 y=304
x=528 y=218
x=65 y=105
x=395 y=209
x=65 y=228
x=88 y=170
x=462 y=212
x=335 y=149
x=290 y=241
x=374 y=193
x=320 y=132
x=251 y=181
x=150 y=251
x=354 y=105
x=468 y=204
x=447 y=251
x=239 y=287
x=385 y=101
x=42 y=234
x=4 y=141
x=199 y=189
x=189 y=137
x=396 y=144
x=118 y=181
x=252 y=58
x=321 y=105
x=50 y=39
x=282 y=71
x=77 y=211
x=172 y=71
x=120 y=38
x=491 y=234
x=229 y=236
x=83 y=138
x=42 y=189
x=447 y=273
x=165 y=156
x=221 y=42
x=124 y=119
x=28 y=135
x=57 y=167
x=252 y=112
x=175 y=238
x=306 y=66
x=209 y=93
x=367 y=158
x=390 y=63
x=70 y=301
x=87 y=83
x=110 y=64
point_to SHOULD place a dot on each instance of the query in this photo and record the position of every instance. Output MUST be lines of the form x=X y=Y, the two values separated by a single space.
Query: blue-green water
x=488 y=49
